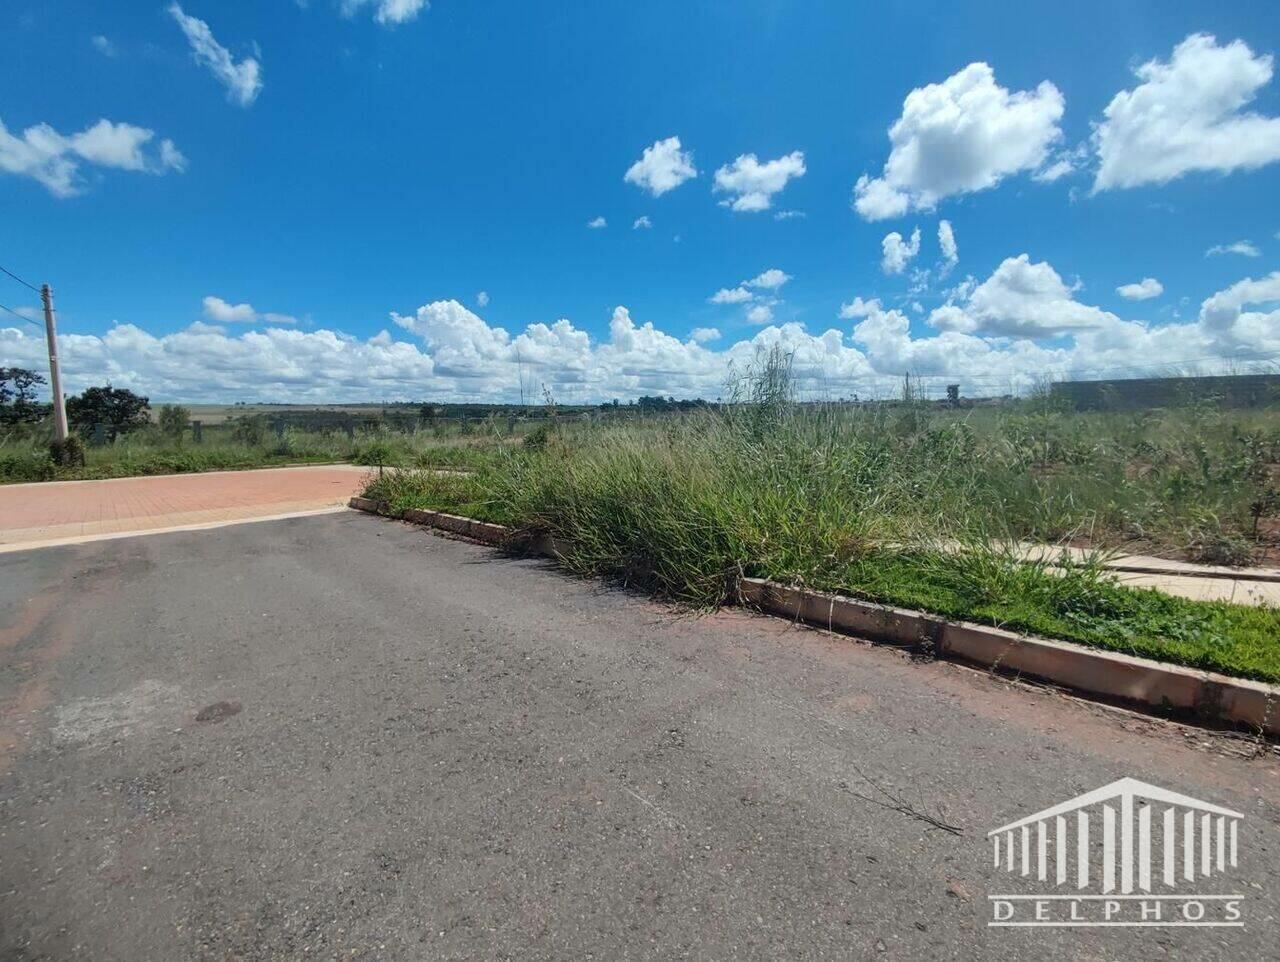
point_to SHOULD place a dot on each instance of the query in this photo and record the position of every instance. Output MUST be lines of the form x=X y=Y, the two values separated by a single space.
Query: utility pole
x=55 y=375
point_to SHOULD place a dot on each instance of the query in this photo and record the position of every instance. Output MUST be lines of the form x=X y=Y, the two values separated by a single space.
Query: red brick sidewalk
x=67 y=511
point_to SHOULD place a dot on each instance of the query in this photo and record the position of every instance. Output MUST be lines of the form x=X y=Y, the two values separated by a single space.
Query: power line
x=19 y=279
x=21 y=317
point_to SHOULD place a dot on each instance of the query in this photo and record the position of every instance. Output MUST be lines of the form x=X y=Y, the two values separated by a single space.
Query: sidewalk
x=68 y=512
x=1242 y=586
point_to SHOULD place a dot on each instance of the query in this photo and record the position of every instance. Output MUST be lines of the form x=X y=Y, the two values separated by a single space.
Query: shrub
x=27 y=466
x=250 y=430
x=173 y=420
x=375 y=452
x=68 y=453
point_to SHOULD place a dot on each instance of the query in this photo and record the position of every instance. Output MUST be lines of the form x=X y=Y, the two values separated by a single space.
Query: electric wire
x=19 y=279
x=21 y=317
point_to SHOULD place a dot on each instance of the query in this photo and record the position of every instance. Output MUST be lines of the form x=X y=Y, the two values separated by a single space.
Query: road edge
x=1152 y=685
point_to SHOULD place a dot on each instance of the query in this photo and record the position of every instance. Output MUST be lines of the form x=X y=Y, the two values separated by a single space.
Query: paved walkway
x=68 y=512
x=1241 y=586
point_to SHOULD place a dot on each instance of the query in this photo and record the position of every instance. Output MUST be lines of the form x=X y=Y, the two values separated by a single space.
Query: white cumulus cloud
x=859 y=308
x=760 y=314
x=387 y=11
x=1242 y=247
x=454 y=354
x=769 y=280
x=947 y=244
x=1188 y=115
x=897 y=253
x=223 y=312
x=662 y=167
x=642 y=223
x=243 y=80
x=731 y=295
x=1143 y=290
x=597 y=222
x=1224 y=310
x=701 y=335
x=55 y=159
x=962 y=135
x=752 y=184
x=1020 y=299
x=482 y=299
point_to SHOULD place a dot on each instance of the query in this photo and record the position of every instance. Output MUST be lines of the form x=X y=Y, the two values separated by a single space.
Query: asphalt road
x=343 y=737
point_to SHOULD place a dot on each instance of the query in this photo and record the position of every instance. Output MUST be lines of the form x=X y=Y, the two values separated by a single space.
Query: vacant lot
x=875 y=502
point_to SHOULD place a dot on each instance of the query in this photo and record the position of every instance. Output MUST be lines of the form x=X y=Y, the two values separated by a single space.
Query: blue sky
x=382 y=158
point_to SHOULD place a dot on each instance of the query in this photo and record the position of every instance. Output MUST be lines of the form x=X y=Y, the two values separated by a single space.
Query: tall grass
x=901 y=504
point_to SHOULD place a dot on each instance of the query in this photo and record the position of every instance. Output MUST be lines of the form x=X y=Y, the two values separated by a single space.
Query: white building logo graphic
x=1122 y=855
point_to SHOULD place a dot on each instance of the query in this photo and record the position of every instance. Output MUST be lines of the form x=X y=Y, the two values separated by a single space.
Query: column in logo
x=1146 y=833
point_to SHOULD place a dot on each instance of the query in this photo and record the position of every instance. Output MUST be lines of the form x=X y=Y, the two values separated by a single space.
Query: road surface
x=343 y=737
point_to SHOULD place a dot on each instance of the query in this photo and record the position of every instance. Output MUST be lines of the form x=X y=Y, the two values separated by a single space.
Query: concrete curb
x=467 y=527
x=482 y=531
x=1091 y=671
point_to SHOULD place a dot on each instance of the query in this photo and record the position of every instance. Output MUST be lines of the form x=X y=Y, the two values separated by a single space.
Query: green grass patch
x=1074 y=605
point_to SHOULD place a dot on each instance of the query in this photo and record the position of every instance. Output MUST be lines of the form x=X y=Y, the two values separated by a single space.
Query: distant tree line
x=657 y=403
x=119 y=411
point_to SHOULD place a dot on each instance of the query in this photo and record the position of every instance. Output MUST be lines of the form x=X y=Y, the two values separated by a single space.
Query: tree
x=174 y=419
x=655 y=403
x=18 y=395
x=117 y=408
